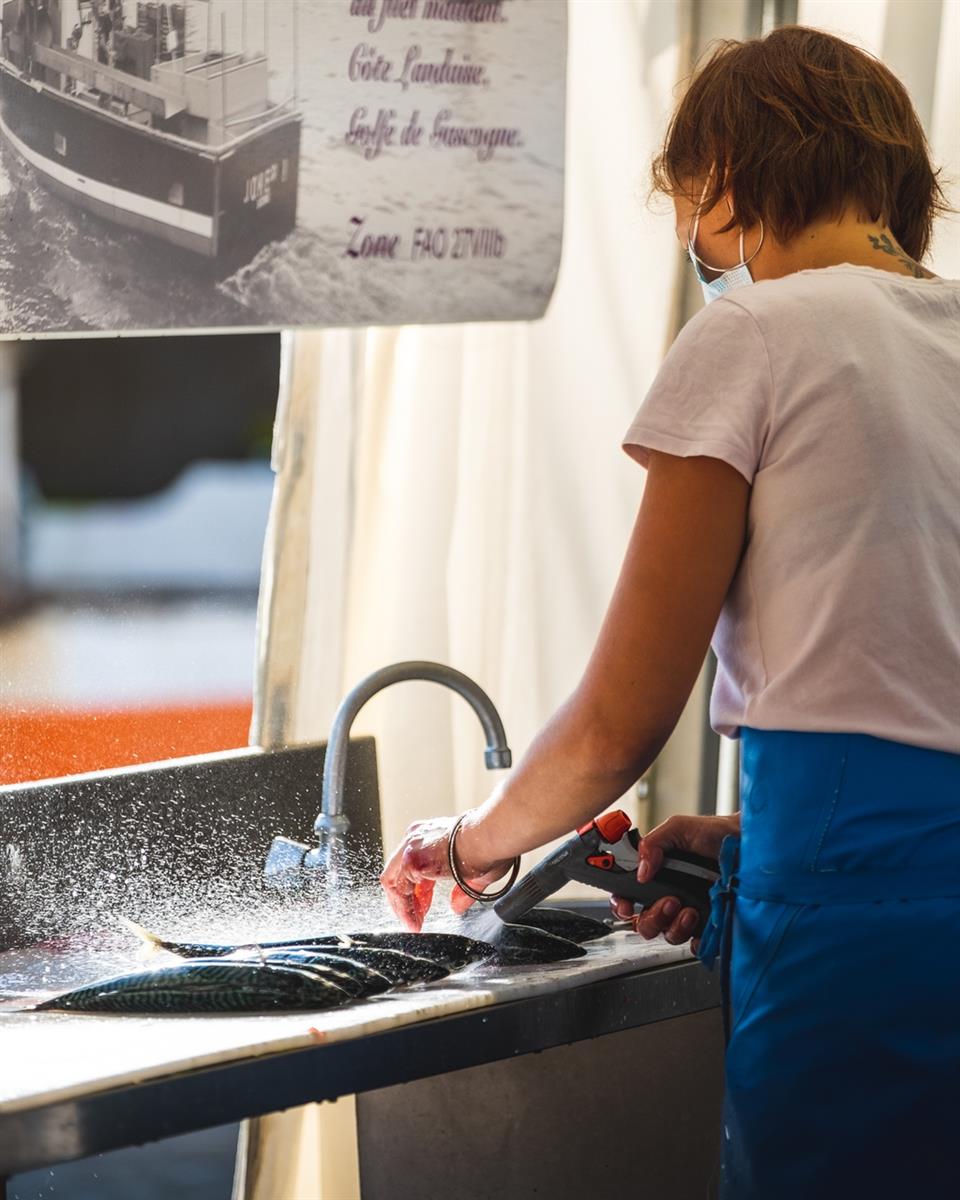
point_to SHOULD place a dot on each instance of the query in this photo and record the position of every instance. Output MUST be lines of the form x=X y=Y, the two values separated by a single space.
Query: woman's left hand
x=421 y=859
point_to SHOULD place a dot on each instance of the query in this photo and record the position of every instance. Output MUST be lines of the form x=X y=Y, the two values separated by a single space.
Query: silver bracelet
x=483 y=897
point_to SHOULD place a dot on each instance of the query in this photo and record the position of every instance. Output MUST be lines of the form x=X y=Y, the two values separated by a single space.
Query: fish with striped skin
x=451 y=950
x=357 y=979
x=564 y=923
x=512 y=945
x=204 y=986
x=398 y=967
x=522 y=945
x=378 y=967
x=153 y=941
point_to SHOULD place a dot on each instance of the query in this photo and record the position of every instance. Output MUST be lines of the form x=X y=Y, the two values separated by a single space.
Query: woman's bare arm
x=680 y=560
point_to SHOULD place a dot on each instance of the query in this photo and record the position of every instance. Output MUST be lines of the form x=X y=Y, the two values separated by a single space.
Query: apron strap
x=713 y=938
x=716 y=939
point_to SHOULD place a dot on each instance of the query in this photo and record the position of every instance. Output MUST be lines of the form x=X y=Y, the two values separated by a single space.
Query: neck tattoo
x=886 y=245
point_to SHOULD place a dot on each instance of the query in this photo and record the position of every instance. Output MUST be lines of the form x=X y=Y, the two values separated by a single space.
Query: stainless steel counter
x=75 y=1085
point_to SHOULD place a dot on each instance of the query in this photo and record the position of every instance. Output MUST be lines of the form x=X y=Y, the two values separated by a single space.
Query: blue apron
x=835 y=922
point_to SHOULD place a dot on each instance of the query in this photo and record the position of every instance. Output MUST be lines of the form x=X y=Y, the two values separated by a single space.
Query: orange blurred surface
x=41 y=744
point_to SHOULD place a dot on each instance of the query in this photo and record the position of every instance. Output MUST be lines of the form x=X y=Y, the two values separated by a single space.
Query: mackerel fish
x=564 y=923
x=204 y=986
x=450 y=950
x=521 y=945
x=355 y=978
x=394 y=964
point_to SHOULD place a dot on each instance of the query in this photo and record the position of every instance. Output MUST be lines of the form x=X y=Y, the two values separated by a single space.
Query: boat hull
x=221 y=203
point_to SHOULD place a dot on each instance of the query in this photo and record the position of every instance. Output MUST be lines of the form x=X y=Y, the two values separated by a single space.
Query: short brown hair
x=798 y=125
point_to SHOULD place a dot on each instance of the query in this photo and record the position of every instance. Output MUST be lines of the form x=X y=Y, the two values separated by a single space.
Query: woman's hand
x=699 y=835
x=422 y=858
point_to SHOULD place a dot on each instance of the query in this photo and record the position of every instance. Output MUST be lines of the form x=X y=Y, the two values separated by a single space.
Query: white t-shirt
x=836 y=394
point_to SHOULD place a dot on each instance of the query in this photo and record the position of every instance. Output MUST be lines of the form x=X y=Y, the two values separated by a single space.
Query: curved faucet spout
x=291 y=864
x=332 y=824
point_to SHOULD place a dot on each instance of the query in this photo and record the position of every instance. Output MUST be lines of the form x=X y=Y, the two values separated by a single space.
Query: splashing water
x=480 y=921
x=68 y=929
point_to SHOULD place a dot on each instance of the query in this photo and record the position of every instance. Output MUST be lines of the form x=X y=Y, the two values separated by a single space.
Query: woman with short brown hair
x=802 y=508
x=803 y=127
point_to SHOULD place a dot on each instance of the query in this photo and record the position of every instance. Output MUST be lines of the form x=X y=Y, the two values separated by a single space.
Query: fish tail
x=152 y=942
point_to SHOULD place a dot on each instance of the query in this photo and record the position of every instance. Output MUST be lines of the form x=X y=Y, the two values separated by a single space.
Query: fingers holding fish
x=414 y=867
x=422 y=899
x=423 y=857
x=409 y=900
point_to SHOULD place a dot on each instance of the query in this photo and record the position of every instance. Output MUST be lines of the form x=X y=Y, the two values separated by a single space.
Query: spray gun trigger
x=624 y=852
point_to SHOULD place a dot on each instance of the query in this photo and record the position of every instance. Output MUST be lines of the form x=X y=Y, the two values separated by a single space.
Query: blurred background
x=135 y=497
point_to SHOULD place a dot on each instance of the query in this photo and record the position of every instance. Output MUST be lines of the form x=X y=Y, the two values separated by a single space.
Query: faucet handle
x=284 y=864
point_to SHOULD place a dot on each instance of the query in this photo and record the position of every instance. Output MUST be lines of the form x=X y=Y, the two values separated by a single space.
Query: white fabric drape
x=463 y=490
x=300 y=618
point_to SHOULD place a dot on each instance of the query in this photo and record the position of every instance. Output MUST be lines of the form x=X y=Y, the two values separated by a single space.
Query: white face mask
x=736 y=276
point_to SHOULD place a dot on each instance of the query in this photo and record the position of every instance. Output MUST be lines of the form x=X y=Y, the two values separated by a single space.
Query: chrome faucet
x=289 y=863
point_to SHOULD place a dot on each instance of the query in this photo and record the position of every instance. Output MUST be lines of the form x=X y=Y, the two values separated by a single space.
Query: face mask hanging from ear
x=736 y=276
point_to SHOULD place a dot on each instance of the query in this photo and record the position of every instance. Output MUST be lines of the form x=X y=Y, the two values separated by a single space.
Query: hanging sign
x=257 y=164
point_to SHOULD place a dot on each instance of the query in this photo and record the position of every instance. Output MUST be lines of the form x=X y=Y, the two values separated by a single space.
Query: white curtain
x=458 y=493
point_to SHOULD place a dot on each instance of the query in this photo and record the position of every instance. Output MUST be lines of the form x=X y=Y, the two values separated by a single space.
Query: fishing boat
x=141 y=115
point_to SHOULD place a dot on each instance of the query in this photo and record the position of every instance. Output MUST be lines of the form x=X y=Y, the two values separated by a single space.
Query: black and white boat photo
x=135 y=125
x=274 y=163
